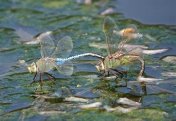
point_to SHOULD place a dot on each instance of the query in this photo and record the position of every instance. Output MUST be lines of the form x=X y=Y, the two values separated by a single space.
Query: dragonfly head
x=32 y=67
x=100 y=66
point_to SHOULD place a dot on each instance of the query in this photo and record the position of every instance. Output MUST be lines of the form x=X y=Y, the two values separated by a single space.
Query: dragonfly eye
x=100 y=66
x=32 y=68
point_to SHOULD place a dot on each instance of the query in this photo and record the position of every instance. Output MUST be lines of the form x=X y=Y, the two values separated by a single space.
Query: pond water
x=84 y=95
x=149 y=11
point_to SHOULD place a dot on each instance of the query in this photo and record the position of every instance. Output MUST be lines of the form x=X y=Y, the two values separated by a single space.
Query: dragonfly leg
x=54 y=79
x=120 y=73
x=136 y=57
x=113 y=72
x=34 y=78
x=102 y=74
x=105 y=73
x=108 y=73
x=51 y=77
x=41 y=81
x=144 y=88
x=117 y=73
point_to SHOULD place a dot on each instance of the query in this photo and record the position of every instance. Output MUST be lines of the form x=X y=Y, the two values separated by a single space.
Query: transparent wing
x=66 y=68
x=132 y=32
x=135 y=49
x=133 y=27
x=63 y=48
x=47 y=44
x=112 y=40
x=127 y=34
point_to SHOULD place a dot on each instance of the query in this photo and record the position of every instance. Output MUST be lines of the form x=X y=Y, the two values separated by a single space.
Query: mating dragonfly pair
x=51 y=50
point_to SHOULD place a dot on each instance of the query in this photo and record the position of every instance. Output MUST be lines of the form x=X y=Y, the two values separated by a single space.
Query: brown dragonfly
x=117 y=55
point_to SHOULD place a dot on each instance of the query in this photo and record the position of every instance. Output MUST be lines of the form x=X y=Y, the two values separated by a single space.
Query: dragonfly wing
x=64 y=47
x=47 y=44
x=109 y=26
x=132 y=26
x=130 y=33
x=133 y=32
x=66 y=68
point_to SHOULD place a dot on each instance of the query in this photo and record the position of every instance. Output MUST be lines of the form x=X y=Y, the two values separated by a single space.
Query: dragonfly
x=116 y=55
x=54 y=55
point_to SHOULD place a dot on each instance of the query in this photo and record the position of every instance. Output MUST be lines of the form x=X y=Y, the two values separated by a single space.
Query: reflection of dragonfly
x=49 y=52
x=116 y=55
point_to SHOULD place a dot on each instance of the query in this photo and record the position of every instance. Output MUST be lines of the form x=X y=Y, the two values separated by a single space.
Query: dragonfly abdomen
x=83 y=55
x=61 y=61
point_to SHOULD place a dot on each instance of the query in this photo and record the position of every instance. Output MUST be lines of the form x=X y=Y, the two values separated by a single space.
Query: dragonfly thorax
x=113 y=61
x=42 y=65
x=45 y=65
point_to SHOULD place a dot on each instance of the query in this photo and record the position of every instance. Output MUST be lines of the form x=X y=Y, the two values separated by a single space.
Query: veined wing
x=134 y=49
x=47 y=44
x=112 y=39
x=115 y=38
x=49 y=48
x=65 y=68
x=128 y=34
x=63 y=48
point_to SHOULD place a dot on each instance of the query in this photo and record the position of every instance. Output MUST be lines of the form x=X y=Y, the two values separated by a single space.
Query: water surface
x=20 y=21
x=149 y=11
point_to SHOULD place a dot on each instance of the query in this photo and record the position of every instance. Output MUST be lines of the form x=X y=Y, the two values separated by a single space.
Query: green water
x=21 y=20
